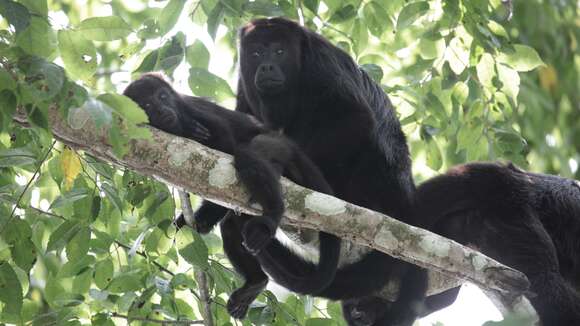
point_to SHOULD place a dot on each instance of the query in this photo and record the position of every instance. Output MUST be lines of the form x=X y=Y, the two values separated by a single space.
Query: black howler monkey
x=525 y=220
x=260 y=157
x=296 y=82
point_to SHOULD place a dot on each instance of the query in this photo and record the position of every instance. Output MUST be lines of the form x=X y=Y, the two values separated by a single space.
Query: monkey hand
x=257 y=233
x=199 y=132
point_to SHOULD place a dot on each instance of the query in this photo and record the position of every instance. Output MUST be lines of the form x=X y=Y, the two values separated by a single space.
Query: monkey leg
x=255 y=279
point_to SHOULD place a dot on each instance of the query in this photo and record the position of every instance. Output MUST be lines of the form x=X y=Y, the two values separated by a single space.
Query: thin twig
x=200 y=276
x=36 y=172
x=157 y=321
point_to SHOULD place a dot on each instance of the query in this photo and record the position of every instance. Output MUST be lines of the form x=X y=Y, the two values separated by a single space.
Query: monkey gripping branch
x=209 y=173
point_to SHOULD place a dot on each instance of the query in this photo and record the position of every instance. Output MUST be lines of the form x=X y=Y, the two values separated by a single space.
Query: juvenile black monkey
x=525 y=220
x=260 y=157
x=296 y=82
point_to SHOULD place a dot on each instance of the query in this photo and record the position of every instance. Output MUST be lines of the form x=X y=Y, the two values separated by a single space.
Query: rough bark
x=210 y=174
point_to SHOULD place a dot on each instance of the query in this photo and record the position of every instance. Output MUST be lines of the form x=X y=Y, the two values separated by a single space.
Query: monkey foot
x=241 y=299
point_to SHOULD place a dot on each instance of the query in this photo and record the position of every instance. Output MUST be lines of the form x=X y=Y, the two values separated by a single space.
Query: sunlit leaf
x=377 y=18
x=38 y=38
x=108 y=28
x=510 y=80
x=125 y=107
x=411 y=13
x=104 y=273
x=486 y=69
x=78 y=54
x=169 y=15
x=521 y=58
x=71 y=166
x=78 y=247
x=204 y=83
x=192 y=248
x=197 y=55
x=62 y=235
x=125 y=282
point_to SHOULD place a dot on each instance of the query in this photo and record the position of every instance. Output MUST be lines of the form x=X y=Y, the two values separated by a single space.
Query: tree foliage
x=84 y=241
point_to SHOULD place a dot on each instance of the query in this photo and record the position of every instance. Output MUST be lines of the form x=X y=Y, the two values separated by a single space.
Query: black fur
x=260 y=157
x=525 y=220
x=297 y=82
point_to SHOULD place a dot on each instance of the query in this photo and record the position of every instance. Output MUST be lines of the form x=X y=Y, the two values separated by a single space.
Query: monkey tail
x=296 y=273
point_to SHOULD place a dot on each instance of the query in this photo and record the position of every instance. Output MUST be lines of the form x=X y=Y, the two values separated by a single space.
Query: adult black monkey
x=297 y=82
x=260 y=157
x=525 y=220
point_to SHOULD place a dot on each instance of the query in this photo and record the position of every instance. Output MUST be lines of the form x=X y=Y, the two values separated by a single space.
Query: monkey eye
x=279 y=52
x=163 y=96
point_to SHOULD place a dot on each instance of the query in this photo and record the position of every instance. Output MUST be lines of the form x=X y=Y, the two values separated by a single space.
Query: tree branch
x=198 y=169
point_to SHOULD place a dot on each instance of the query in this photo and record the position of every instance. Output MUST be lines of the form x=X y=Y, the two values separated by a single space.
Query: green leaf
x=214 y=19
x=62 y=235
x=11 y=293
x=197 y=55
x=75 y=267
x=6 y=80
x=39 y=7
x=343 y=14
x=38 y=38
x=204 y=83
x=113 y=196
x=431 y=49
x=375 y=71
x=486 y=69
x=149 y=62
x=435 y=107
x=16 y=157
x=262 y=8
x=78 y=247
x=15 y=231
x=360 y=36
x=104 y=273
x=104 y=29
x=434 y=158
x=312 y=5
x=510 y=80
x=24 y=254
x=70 y=197
x=125 y=282
x=377 y=18
x=78 y=54
x=521 y=58
x=125 y=107
x=45 y=79
x=16 y=14
x=509 y=142
x=169 y=15
x=82 y=282
x=8 y=102
x=411 y=13
x=468 y=134
x=192 y=248
x=171 y=54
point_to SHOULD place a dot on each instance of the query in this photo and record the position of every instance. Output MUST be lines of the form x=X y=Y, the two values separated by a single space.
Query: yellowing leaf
x=71 y=166
x=548 y=78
